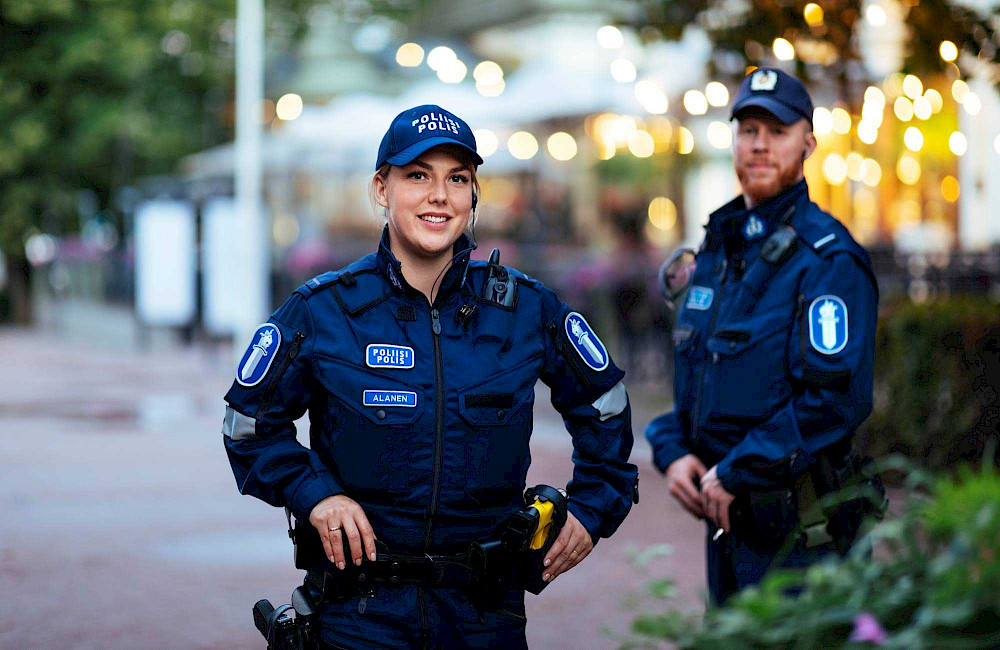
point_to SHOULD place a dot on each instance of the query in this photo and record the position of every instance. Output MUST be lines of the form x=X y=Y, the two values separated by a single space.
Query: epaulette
x=826 y=237
x=356 y=291
x=345 y=276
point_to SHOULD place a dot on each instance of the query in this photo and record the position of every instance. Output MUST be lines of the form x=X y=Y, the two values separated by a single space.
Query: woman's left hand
x=572 y=545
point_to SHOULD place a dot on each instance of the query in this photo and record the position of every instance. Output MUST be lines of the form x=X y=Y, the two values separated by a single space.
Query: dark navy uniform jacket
x=419 y=416
x=773 y=360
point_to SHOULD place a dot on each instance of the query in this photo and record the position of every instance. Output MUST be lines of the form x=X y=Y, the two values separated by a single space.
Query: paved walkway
x=122 y=526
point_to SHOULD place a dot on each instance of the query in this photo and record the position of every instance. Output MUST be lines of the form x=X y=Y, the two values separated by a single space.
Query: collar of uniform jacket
x=391 y=268
x=769 y=210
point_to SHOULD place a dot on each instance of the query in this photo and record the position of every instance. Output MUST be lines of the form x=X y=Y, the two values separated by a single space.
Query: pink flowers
x=867 y=629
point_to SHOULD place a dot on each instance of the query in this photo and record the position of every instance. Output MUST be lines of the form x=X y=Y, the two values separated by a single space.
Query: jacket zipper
x=293 y=351
x=696 y=425
x=438 y=425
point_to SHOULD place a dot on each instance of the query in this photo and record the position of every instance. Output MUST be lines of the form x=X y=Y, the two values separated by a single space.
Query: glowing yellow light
x=876 y=15
x=936 y=100
x=783 y=49
x=717 y=93
x=288 y=107
x=617 y=128
x=872 y=113
x=409 y=55
x=822 y=121
x=913 y=139
x=606 y=150
x=841 y=121
x=720 y=135
x=948 y=50
x=912 y=86
x=950 y=189
x=871 y=172
x=561 y=145
x=903 y=108
x=894 y=84
x=959 y=90
x=452 y=72
x=908 y=169
x=957 y=143
x=439 y=57
x=695 y=102
x=486 y=142
x=610 y=37
x=854 y=161
x=641 y=144
x=813 y=13
x=835 y=169
x=522 y=145
x=685 y=141
x=651 y=97
x=867 y=132
x=922 y=107
x=488 y=73
x=662 y=213
x=623 y=71
x=972 y=104
x=494 y=90
x=874 y=94
x=661 y=130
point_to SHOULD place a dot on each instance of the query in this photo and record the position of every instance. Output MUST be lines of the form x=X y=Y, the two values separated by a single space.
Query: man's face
x=768 y=155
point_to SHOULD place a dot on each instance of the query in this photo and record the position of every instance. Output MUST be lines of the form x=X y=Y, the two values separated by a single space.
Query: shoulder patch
x=585 y=341
x=259 y=356
x=828 y=324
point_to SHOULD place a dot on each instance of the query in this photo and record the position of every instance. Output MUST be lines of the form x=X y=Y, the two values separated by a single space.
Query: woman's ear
x=381 y=190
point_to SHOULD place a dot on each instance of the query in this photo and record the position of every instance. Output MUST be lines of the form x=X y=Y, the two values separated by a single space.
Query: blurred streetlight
x=486 y=142
x=289 y=107
x=522 y=145
x=409 y=55
x=948 y=50
x=610 y=37
x=783 y=49
x=561 y=146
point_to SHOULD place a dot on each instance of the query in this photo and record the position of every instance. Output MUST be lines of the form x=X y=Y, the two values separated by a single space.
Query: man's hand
x=680 y=482
x=715 y=500
x=571 y=546
x=338 y=512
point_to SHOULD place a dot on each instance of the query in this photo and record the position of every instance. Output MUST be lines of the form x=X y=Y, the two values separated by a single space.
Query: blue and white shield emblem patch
x=828 y=324
x=389 y=398
x=259 y=356
x=700 y=298
x=386 y=355
x=754 y=227
x=584 y=340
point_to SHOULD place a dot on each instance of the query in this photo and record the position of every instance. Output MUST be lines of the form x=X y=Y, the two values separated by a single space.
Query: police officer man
x=774 y=349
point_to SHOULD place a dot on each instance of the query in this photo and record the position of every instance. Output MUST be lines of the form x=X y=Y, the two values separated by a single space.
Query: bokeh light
x=488 y=73
x=813 y=14
x=720 y=135
x=957 y=143
x=440 y=57
x=876 y=15
x=835 y=169
x=651 y=97
x=452 y=72
x=561 y=146
x=662 y=213
x=908 y=169
x=685 y=140
x=948 y=51
x=936 y=100
x=409 y=55
x=486 y=142
x=959 y=89
x=871 y=172
x=641 y=144
x=522 y=145
x=912 y=86
x=903 y=108
x=610 y=37
x=623 y=70
x=841 y=121
x=867 y=132
x=950 y=189
x=716 y=93
x=922 y=107
x=783 y=49
x=972 y=104
x=288 y=107
x=913 y=139
x=695 y=102
x=822 y=121
x=854 y=161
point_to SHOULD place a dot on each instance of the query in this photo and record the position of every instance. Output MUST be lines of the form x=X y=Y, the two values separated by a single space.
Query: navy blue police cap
x=775 y=91
x=420 y=128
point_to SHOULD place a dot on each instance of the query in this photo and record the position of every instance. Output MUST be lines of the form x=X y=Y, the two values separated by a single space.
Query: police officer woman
x=417 y=366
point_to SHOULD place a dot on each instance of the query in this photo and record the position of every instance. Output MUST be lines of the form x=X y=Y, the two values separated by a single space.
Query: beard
x=759 y=185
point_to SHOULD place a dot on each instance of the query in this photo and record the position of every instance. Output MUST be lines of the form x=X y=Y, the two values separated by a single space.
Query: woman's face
x=428 y=202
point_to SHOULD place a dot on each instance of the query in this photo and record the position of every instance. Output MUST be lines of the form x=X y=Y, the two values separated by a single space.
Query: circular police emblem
x=257 y=359
x=583 y=339
x=754 y=227
x=828 y=324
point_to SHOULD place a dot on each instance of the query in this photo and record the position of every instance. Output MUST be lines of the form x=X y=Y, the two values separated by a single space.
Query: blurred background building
x=604 y=127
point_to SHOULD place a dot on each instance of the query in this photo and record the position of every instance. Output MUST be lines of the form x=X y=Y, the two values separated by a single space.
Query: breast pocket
x=497 y=413
x=748 y=378
x=372 y=419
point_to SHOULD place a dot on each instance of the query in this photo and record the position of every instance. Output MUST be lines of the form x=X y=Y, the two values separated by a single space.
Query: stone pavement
x=122 y=526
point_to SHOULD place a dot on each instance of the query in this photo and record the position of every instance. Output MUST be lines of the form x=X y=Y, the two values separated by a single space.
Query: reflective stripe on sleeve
x=612 y=402
x=238 y=426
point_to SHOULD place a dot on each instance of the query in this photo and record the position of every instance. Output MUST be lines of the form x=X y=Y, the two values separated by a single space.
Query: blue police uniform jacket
x=419 y=415
x=773 y=358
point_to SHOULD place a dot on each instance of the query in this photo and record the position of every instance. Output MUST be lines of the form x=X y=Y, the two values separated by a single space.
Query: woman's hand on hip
x=571 y=546
x=337 y=514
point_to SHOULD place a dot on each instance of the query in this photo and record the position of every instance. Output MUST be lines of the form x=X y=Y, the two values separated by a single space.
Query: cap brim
x=414 y=151
x=781 y=111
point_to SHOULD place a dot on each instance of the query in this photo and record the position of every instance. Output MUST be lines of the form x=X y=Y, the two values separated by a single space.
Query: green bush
x=934 y=582
x=937 y=375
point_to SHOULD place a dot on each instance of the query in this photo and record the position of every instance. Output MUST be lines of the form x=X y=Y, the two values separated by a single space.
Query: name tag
x=385 y=355
x=389 y=398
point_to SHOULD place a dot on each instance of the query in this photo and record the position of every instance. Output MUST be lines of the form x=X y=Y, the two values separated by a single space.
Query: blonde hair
x=460 y=154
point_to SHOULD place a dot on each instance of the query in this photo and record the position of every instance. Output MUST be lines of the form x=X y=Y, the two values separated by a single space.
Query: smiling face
x=768 y=155
x=428 y=203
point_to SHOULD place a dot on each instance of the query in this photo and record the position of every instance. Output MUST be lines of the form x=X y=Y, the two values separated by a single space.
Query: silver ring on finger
x=334 y=529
